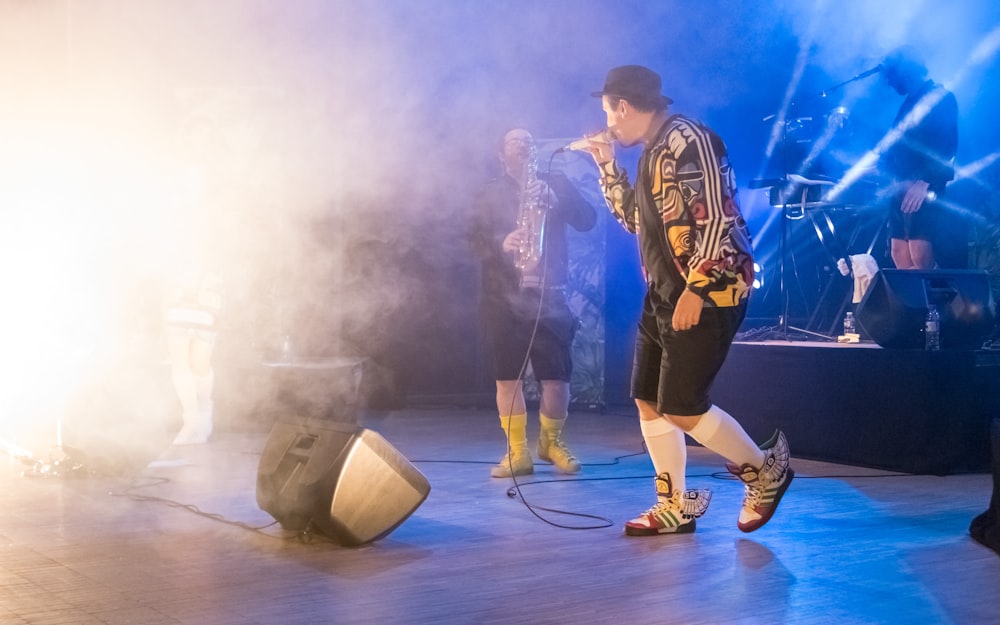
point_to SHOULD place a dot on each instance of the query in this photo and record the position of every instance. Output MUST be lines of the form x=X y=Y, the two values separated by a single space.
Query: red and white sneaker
x=764 y=486
x=673 y=513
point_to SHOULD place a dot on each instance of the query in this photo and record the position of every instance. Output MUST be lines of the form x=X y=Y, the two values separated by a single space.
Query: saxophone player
x=517 y=291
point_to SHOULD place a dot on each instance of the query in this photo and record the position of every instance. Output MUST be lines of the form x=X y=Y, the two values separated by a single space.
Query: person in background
x=519 y=235
x=920 y=159
x=192 y=304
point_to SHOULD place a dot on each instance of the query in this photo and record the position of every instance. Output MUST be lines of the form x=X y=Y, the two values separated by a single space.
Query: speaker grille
x=377 y=489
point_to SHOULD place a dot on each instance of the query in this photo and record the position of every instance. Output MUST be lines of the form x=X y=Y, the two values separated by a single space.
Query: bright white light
x=84 y=217
x=758 y=276
x=973 y=169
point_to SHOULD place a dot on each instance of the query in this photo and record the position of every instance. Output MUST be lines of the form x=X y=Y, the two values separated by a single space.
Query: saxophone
x=531 y=220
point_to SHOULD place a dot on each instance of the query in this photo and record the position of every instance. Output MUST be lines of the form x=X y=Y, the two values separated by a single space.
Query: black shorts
x=922 y=225
x=509 y=329
x=675 y=370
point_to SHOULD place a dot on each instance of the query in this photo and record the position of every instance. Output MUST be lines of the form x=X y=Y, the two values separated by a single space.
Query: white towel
x=864 y=267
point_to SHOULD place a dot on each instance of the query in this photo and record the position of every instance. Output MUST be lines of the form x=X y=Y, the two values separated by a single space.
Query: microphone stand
x=783 y=326
x=862 y=75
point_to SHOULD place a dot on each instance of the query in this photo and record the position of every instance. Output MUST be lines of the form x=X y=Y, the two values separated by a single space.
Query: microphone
x=866 y=74
x=878 y=68
x=605 y=136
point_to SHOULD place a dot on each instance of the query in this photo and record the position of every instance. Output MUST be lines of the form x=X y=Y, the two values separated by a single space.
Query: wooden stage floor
x=179 y=543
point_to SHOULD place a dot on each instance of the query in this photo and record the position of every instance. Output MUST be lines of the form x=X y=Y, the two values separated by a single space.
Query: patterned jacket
x=685 y=210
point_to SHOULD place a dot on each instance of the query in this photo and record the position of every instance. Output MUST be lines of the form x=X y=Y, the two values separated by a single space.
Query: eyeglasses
x=519 y=141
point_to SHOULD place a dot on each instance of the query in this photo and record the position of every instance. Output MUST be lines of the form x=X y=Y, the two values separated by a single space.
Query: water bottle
x=849 y=323
x=932 y=330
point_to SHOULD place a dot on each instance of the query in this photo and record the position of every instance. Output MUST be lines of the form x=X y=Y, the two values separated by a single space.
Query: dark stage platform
x=860 y=404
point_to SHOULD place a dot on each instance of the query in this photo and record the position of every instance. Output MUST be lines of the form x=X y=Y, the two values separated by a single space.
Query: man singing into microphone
x=696 y=255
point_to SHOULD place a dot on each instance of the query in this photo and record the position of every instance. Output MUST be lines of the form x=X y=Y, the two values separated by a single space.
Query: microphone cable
x=515 y=490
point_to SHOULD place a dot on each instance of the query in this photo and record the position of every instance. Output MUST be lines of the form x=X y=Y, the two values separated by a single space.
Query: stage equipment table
x=336 y=389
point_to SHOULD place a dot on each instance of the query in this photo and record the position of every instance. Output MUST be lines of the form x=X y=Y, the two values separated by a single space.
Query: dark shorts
x=675 y=370
x=923 y=224
x=509 y=330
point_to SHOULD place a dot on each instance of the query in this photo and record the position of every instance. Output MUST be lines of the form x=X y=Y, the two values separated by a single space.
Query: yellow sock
x=551 y=447
x=551 y=428
x=515 y=427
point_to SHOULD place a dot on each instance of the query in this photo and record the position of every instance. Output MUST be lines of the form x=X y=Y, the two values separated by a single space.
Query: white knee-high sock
x=204 y=385
x=718 y=431
x=667 y=449
x=187 y=392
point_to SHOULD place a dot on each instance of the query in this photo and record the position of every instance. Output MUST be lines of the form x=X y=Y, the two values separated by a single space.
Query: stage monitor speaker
x=894 y=309
x=346 y=482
